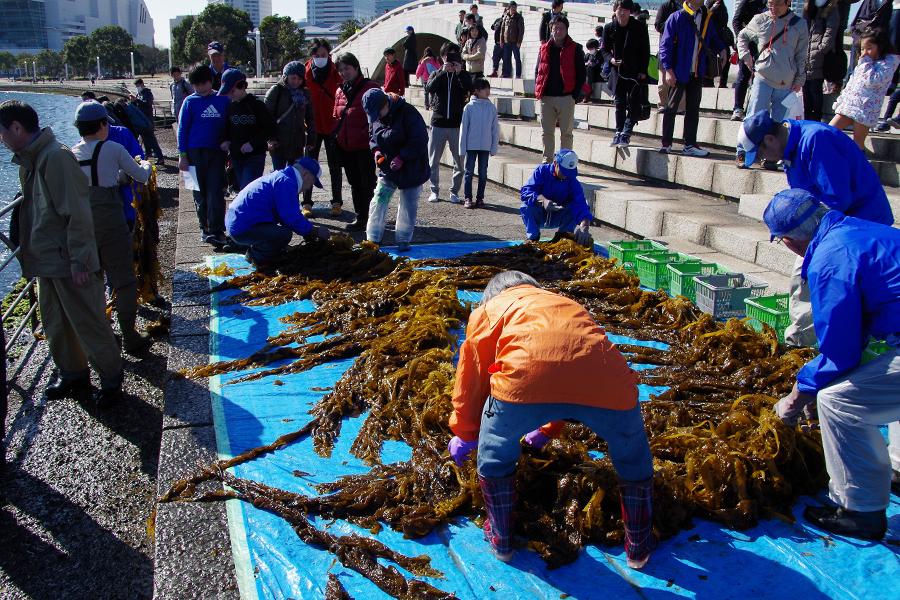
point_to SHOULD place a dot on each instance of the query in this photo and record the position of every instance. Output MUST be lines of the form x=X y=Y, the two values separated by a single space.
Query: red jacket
x=529 y=345
x=323 y=95
x=352 y=132
x=566 y=65
x=394 y=78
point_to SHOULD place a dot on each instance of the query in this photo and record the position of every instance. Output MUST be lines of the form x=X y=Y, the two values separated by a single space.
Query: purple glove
x=536 y=439
x=378 y=157
x=460 y=450
x=396 y=163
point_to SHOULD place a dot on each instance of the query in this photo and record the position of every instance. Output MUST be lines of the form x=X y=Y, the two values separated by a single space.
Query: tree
x=25 y=57
x=180 y=52
x=282 y=40
x=225 y=24
x=115 y=45
x=7 y=61
x=79 y=54
x=152 y=59
x=49 y=62
x=349 y=27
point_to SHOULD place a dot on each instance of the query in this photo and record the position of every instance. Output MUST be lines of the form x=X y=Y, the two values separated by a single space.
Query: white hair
x=505 y=280
x=807 y=229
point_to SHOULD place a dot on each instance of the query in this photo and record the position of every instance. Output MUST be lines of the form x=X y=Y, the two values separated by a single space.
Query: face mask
x=139 y=88
x=320 y=62
x=592 y=51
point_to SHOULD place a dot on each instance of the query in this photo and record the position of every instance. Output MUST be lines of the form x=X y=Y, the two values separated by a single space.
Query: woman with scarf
x=291 y=105
x=322 y=81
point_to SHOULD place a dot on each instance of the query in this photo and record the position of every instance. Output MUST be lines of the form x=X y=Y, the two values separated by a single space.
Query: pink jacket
x=422 y=70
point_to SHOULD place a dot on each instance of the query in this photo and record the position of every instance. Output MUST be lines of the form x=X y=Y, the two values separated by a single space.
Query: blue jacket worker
x=266 y=213
x=400 y=142
x=553 y=198
x=853 y=269
x=828 y=164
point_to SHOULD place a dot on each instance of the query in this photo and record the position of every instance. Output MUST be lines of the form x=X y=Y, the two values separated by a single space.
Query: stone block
x=727 y=133
x=507 y=133
x=505 y=106
x=706 y=131
x=602 y=154
x=735 y=265
x=581 y=112
x=889 y=173
x=678 y=244
x=598 y=116
x=610 y=208
x=497 y=170
x=692 y=225
x=737 y=241
x=647 y=163
x=527 y=86
x=725 y=100
x=182 y=449
x=731 y=182
x=710 y=99
x=775 y=257
x=696 y=173
x=582 y=146
x=754 y=205
x=537 y=139
x=770 y=182
x=648 y=127
x=528 y=108
x=645 y=218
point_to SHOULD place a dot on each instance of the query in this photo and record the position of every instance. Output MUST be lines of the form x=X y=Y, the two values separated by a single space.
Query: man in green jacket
x=57 y=246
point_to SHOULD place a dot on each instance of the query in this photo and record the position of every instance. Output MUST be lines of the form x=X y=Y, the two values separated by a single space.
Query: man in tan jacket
x=57 y=246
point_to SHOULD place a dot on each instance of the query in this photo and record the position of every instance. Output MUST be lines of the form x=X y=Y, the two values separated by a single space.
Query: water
x=55 y=111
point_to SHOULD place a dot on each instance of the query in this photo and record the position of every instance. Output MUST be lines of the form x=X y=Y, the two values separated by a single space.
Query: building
x=32 y=25
x=334 y=12
x=383 y=6
x=332 y=34
x=257 y=9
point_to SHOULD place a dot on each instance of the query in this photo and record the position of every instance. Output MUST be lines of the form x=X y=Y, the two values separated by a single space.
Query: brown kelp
x=720 y=452
x=146 y=238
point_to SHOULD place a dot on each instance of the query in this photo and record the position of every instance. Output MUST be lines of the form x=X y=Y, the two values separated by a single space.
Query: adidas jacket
x=202 y=122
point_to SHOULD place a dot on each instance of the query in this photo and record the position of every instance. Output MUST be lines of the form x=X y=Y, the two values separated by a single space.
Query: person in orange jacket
x=394 y=76
x=322 y=81
x=532 y=357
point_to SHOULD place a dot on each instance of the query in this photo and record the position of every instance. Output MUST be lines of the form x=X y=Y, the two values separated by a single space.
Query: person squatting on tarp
x=853 y=269
x=266 y=213
x=106 y=163
x=399 y=141
x=553 y=197
x=530 y=359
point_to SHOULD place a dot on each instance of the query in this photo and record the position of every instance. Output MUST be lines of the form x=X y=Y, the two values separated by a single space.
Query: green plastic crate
x=626 y=250
x=651 y=267
x=681 y=277
x=772 y=310
x=874 y=349
x=722 y=296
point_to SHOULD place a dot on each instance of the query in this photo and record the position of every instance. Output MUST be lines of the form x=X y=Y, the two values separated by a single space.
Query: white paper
x=190 y=179
x=794 y=105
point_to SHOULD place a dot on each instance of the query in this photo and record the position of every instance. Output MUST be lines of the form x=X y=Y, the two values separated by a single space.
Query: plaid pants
x=499 y=500
x=637 y=513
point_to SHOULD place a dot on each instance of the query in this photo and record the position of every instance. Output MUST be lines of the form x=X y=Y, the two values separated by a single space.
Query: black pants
x=334 y=167
x=813 y=99
x=625 y=117
x=496 y=56
x=408 y=75
x=741 y=85
x=359 y=165
x=692 y=90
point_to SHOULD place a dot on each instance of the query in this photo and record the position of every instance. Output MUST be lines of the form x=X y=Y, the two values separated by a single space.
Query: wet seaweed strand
x=146 y=238
x=718 y=448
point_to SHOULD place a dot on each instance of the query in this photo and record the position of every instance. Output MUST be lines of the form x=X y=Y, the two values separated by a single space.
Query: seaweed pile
x=720 y=452
x=146 y=238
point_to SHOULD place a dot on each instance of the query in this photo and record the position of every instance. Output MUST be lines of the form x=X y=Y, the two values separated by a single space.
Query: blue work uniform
x=565 y=192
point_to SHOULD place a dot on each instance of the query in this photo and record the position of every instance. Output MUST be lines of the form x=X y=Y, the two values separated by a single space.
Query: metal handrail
x=28 y=290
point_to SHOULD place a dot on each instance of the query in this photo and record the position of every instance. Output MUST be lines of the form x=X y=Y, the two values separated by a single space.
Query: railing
x=28 y=291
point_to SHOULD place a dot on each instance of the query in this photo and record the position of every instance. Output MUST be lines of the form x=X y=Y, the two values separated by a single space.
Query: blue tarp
x=773 y=560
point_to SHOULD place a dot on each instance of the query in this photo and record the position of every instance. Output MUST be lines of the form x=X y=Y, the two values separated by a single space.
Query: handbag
x=713 y=67
x=639 y=101
x=834 y=66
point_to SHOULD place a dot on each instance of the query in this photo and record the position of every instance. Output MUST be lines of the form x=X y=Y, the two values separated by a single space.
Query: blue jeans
x=266 y=240
x=763 y=96
x=250 y=169
x=482 y=157
x=509 y=51
x=535 y=217
x=504 y=423
x=210 y=200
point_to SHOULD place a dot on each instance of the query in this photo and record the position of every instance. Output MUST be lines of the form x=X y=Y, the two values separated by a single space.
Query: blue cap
x=371 y=101
x=752 y=132
x=567 y=161
x=91 y=110
x=409 y=28
x=781 y=213
x=215 y=47
x=229 y=80
x=312 y=166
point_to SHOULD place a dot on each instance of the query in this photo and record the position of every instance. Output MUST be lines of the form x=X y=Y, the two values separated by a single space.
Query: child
x=861 y=100
x=247 y=129
x=394 y=77
x=101 y=160
x=474 y=52
x=479 y=136
x=428 y=65
x=400 y=142
x=201 y=124
x=593 y=66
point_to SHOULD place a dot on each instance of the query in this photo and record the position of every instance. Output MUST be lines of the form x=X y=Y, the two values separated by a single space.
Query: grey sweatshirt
x=480 y=128
x=784 y=62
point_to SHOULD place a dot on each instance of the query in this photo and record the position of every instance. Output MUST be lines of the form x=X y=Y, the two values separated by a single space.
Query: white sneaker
x=665 y=149
x=503 y=557
x=694 y=151
x=738 y=114
x=433 y=197
x=454 y=198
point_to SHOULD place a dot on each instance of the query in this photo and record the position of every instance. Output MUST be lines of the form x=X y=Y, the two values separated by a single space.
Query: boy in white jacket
x=479 y=136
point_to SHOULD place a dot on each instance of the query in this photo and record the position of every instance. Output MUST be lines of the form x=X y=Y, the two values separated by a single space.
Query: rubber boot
x=499 y=500
x=637 y=513
x=126 y=311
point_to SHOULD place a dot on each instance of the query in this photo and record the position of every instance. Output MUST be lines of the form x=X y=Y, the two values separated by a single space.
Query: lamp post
x=258 y=55
x=67 y=71
x=132 y=64
x=34 y=68
x=98 y=68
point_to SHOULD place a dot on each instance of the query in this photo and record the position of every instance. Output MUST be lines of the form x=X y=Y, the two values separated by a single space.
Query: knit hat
x=295 y=67
x=371 y=102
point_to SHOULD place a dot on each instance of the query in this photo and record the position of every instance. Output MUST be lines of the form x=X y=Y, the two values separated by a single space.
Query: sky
x=163 y=10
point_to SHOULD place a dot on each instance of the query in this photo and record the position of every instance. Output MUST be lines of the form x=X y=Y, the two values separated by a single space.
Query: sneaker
x=204 y=236
x=494 y=74
x=770 y=165
x=433 y=197
x=860 y=525
x=307 y=211
x=694 y=151
x=893 y=123
x=454 y=198
x=107 y=397
x=740 y=160
x=468 y=203
x=624 y=140
x=336 y=209
x=738 y=114
x=615 y=140
x=403 y=247
x=502 y=556
x=479 y=203
x=217 y=240
x=665 y=149
x=882 y=126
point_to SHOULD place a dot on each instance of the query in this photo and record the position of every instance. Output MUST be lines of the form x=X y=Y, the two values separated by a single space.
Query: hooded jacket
x=480 y=128
x=56 y=230
x=402 y=132
x=676 y=46
x=784 y=64
x=448 y=94
x=823 y=30
x=528 y=345
x=295 y=128
x=351 y=130
x=394 y=78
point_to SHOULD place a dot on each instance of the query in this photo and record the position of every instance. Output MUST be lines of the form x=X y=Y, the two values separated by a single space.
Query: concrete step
x=754 y=205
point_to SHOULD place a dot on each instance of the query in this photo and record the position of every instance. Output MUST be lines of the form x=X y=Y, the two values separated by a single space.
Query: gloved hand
x=378 y=157
x=460 y=450
x=583 y=235
x=550 y=205
x=536 y=439
x=396 y=163
x=317 y=233
x=790 y=408
x=810 y=418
